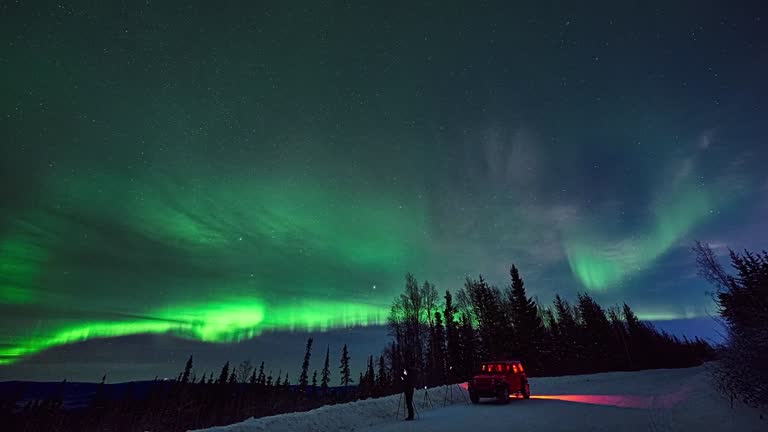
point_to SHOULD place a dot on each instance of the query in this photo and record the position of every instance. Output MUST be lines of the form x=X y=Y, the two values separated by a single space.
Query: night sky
x=220 y=178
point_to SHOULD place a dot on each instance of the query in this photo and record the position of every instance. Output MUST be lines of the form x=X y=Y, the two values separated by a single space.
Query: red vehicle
x=499 y=379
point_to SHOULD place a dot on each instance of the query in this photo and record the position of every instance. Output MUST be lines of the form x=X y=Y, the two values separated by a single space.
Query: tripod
x=449 y=391
x=427 y=399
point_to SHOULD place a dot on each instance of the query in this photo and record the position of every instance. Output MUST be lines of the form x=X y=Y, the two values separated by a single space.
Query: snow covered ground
x=656 y=400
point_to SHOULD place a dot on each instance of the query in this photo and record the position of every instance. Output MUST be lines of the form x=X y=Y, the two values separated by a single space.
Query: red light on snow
x=608 y=400
x=623 y=401
x=464 y=385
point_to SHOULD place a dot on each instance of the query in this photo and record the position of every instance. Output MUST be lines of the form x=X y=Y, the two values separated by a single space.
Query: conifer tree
x=187 y=370
x=314 y=379
x=344 y=367
x=325 y=377
x=304 y=377
x=224 y=375
x=596 y=335
x=370 y=375
x=469 y=347
x=621 y=336
x=453 y=350
x=362 y=387
x=567 y=336
x=640 y=338
x=382 y=379
x=261 y=379
x=527 y=324
x=438 y=350
x=492 y=323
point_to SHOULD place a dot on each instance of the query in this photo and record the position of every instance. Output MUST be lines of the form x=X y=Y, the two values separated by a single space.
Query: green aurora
x=601 y=263
x=257 y=231
x=219 y=173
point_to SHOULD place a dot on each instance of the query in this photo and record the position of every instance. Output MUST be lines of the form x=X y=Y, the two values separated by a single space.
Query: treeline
x=446 y=337
x=192 y=401
x=742 y=298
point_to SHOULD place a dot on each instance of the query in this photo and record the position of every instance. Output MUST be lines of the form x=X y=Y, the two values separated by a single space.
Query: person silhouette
x=407 y=380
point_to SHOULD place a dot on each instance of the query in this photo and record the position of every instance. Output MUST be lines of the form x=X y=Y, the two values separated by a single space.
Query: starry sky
x=211 y=177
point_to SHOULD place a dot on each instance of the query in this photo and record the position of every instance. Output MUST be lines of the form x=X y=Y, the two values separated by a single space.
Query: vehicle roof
x=501 y=361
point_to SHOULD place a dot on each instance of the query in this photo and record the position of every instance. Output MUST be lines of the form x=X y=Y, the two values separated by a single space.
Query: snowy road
x=525 y=415
x=656 y=400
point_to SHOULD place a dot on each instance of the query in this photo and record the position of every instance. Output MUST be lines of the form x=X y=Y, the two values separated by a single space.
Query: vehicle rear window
x=493 y=368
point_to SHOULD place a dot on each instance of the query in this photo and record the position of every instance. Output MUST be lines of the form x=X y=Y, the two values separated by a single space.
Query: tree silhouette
x=187 y=370
x=527 y=324
x=303 y=378
x=261 y=379
x=224 y=375
x=344 y=367
x=325 y=376
x=382 y=381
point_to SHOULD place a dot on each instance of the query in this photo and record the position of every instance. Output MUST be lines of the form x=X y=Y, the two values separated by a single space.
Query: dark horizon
x=273 y=348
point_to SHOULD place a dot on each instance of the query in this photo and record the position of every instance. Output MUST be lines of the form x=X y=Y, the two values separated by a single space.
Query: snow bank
x=351 y=416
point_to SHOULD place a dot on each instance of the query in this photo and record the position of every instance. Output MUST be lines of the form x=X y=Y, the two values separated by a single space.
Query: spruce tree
x=187 y=370
x=370 y=375
x=224 y=375
x=527 y=324
x=469 y=348
x=596 y=335
x=623 y=356
x=314 y=379
x=325 y=377
x=261 y=379
x=438 y=351
x=453 y=350
x=344 y=367
x=492 y=323
x=304 y=377
x=382 y=381
x=567 y=337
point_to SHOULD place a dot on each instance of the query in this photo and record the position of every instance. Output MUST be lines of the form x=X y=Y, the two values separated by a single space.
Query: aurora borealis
x=216 y=172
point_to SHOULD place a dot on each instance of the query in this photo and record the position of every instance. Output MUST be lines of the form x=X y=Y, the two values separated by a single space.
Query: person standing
x=408 y=380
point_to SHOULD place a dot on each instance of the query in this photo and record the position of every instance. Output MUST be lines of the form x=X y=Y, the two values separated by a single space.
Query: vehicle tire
x=473 y=397
x=526 y=390
x=504 y=395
